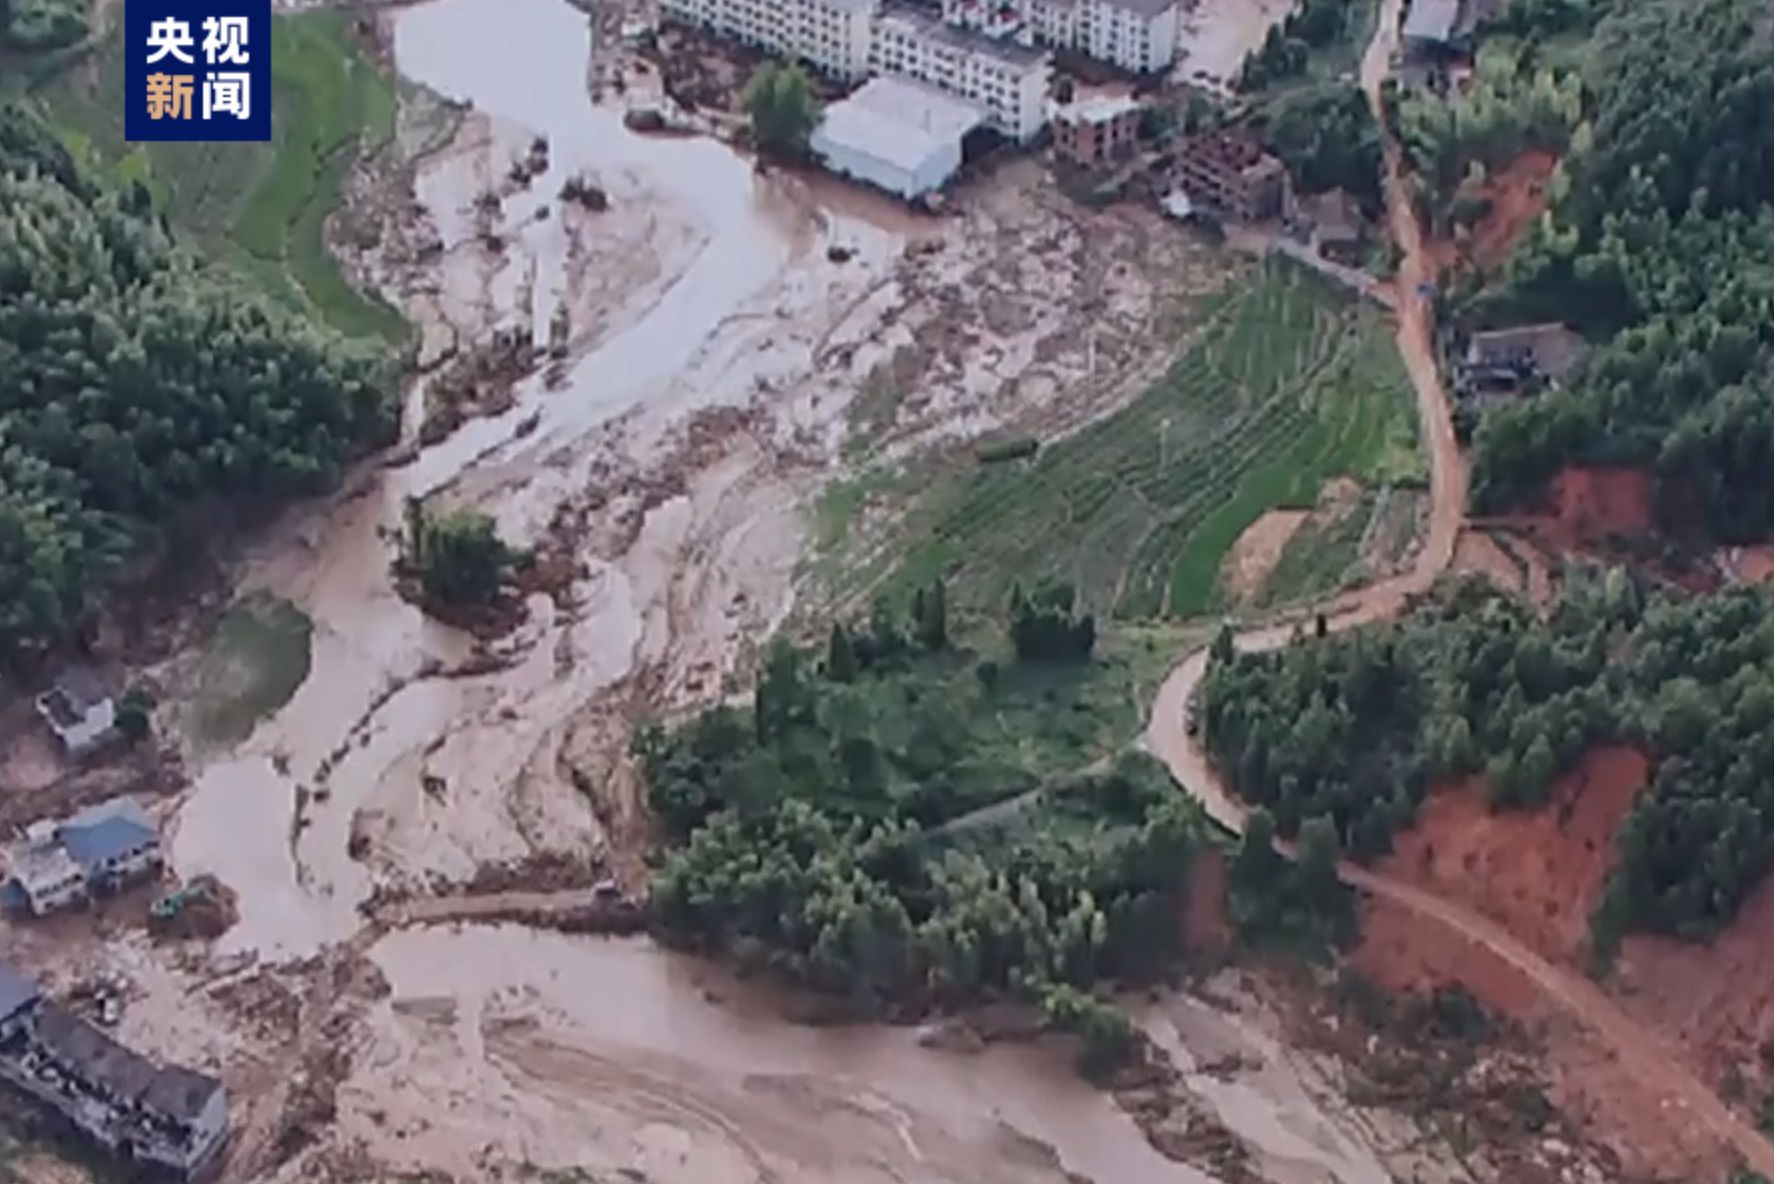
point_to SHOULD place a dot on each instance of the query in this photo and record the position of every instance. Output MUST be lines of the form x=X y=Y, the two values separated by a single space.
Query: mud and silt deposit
x=705 y=343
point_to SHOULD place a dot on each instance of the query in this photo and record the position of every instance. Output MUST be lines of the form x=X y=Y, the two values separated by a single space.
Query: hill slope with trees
x=139 y=386
x=1657 y=245
x=1359 y=727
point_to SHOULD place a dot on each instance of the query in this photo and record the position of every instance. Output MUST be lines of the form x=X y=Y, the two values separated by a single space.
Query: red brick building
x=1096 y=129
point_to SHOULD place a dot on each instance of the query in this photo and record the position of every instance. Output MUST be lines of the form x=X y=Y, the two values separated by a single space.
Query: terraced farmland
x=1289 y=384
x=259 y=208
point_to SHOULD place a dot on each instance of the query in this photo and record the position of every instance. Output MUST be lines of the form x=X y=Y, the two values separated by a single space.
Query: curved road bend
x=1167 y=737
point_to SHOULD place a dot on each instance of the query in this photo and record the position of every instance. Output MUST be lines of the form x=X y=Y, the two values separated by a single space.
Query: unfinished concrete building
x=1233 y=178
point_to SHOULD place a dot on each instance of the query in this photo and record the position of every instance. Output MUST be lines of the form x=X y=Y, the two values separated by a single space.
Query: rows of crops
x=1288 y=384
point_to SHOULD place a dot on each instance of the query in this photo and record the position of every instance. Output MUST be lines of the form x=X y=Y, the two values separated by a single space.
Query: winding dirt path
x=1168 y=738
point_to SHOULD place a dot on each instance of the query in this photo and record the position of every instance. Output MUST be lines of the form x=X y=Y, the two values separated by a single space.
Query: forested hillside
x=135 y=384
x=1660 y=246
x=1360 y=726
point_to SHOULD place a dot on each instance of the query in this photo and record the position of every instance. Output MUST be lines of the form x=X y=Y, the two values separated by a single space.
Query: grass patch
x=1320 y=558
x=260 y=208
x=259 y=656
x=1290 y=383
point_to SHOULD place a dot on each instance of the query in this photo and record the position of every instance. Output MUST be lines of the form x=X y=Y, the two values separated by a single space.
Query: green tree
x=783 y=107
x=458 y=557
x=840 y=655
x=1320 y=851
x=931 y=617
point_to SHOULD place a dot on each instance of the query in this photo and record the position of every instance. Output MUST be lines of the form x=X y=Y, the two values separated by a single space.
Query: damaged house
x=169 y=1123
x=58 y=864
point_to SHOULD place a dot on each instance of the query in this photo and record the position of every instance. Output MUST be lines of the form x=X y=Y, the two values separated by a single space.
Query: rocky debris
x=1153 y=1092
x=543 y=871
x=582 y=191
x=952 y=1034
x=531 y=165
x=479 y=381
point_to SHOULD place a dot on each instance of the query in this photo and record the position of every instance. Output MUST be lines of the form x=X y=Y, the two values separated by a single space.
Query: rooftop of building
x=107 y=830
x=1555 y=347
x=1335 y=214
x=16 y=992
x=173 y=1092
x=77 y=690
x=930 y=28
x=898 y=121
x=852 y=5
x=1096 y=109
x=36 y=862
x=1146 y=8
x=1218 y=150
x=1432 y=20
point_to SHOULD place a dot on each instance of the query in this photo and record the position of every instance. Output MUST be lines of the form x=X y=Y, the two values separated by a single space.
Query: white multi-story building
x=834 y=36
x=1009 y=80
x=1137 y=35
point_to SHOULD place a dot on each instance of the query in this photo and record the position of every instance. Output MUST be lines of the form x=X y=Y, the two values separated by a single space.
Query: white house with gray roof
x=80 y=711
x=163 y=1122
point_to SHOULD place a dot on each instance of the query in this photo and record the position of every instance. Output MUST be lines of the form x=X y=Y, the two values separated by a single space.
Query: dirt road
x=1167 y=736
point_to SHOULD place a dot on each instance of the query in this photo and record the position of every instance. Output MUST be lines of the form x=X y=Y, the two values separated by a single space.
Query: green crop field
x=260 y=208
x=1289 y=384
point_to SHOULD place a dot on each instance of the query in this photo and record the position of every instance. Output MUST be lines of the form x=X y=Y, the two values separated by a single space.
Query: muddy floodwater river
x=714 y=346
x=608 y=1054
x=501 y=1047
x=703 y=285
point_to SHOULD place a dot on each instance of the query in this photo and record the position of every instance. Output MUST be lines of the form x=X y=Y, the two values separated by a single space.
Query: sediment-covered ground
x=715 y=346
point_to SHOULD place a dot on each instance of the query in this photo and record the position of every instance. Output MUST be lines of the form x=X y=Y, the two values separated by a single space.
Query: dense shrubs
x=138 y=385
x=834 y=836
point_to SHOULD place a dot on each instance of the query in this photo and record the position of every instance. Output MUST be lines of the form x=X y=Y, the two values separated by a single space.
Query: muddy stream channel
x=502 y=1052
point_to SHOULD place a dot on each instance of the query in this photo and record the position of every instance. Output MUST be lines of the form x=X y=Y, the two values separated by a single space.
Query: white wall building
x=57 y=864
x=1008 y=80
x=1137 y=35
x=42 y=873
x=79 y=710
x=898 y=135
x=833 y=35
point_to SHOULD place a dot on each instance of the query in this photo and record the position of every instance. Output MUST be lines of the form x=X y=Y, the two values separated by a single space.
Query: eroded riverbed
x=714 y=350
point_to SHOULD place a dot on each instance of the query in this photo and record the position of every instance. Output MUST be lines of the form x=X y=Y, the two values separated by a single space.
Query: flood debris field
x=1285 y=384
x=719 y=364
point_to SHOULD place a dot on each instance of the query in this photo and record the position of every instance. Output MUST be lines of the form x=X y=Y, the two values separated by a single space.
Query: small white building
x=42 y=877
x=904 y=137
x=1006 y=79
x=79 y=710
